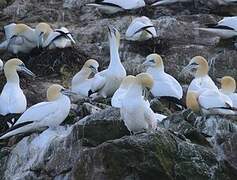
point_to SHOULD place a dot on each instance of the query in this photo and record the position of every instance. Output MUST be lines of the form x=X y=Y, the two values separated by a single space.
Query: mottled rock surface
x=93 y=142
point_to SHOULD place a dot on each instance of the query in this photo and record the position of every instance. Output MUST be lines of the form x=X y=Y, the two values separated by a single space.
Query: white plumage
x=59 y=38
x=164 y=84
x=167 y=2
x=81 y=83
x=44 y=114
x=226 y=28
x=106 y=82
x=12 y=98
x=113 y=6
x=140 y=29
x=19 y=38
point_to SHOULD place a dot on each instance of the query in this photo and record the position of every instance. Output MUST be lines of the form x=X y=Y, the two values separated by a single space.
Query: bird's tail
x=18 y=129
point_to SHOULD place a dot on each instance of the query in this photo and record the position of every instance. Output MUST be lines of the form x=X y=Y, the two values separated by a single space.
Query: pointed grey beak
x=68 y=92
x=27 y=71
x=218 y=80
x=187 y=69
x=94 y=70
x=146 y=63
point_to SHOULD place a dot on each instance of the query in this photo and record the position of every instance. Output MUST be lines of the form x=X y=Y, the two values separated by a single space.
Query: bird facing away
x=81 y=82
x=164 y=84
x=141 y=29
x=12 y=98
x=45 y=114
x=228 y=87
x=135 y=112
x=198 y=66
x=114 y=6
x=209 y=101
x=20 y=38
x=106 y=82
x=59 y=38
x=42 y=31
x=226 y=28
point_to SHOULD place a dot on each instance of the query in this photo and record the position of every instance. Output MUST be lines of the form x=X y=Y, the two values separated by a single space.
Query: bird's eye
x=194 y=64
x=152 y=61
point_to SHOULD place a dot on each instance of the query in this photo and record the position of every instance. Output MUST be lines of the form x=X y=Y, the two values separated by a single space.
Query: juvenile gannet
x=42 y=31
x=167 y=2
x=209 y=101
x=226 y=28
x=12 y=98
x=164 y=84
x=228 y=87
x=45 y=114
x=81 y=82
x=19 y=38
x=135 y=112
x=141 y=29
x=106 y=82
x=114 y=6
x=59 y=38
x=198 y=66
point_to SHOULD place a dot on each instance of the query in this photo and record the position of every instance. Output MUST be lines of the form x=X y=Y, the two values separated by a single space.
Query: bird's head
x=154 y=60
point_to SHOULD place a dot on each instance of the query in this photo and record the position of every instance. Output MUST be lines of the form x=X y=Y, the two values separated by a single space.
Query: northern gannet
x=209 y=101
x=1 y=65
x=228 y=87
x=59 y=38
x=167 y=2
x=81 y=82
x=198 y=66
x=12 y=98
x=226 y=28
x=45 y=114
x=20 y=38
x=135 y=112
x=42 y=31
x=114 y=6
x=164 y=84
x=106 y=82
x=141 y=29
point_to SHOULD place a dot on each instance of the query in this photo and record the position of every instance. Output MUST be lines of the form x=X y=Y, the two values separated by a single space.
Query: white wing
x=131 y=4
x=150 y=116
x=99 y=81
x=213 y=99
x=160 y=117
x=233 y=97
x=229 y=21
x=52 y=36
x=38 y=112
x=64 y=30
x=118 y=97
x=9 y=30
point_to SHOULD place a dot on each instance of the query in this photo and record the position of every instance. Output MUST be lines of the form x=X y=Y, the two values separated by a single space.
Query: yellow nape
x=21 y=28
x=203 y=68
x=145 y=80
x=91 y=62
x=128 y=80
x=192 y=101
x=157 y=58
x=53 y=92
x=44 y=27
x=228 y=84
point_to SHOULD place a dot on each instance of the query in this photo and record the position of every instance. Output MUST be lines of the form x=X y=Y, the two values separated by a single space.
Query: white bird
x=209 y=101
x=42 y=31
x=45 y=114
x=226 y=28
x=81 y=82
x=12 y=98
x=198 y=66
x=167 y=2
x=114 y=6
x=164 y=84
x=20 y=38
x=228 y=87
x=135 y=112
x=1 y=65
x=106 y=82
x=141 y=29
x=59 y=38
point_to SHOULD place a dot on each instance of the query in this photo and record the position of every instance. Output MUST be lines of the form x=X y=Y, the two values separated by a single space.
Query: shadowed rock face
x=93 y=142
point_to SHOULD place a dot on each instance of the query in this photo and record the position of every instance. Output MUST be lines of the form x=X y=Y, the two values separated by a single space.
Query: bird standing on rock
x=134 y=110
x=45 y=114
x=106 y=82
x=20 y=38
x=81 y=82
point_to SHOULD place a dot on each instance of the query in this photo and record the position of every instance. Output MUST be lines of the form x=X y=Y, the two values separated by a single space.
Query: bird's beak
x=68 y=92
x=188 y=69
x=146 y=63
x=218 y=80
x=94 y=70
x=27 y=71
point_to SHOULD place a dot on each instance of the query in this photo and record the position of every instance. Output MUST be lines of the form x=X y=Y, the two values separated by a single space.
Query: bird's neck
x=156 y=69
x=135 y=90
x=11 y=75
x=202 y=71
x=83 y=74
x=114 y=54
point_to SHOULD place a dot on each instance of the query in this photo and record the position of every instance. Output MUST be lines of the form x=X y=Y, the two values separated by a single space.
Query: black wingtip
x=90 y=93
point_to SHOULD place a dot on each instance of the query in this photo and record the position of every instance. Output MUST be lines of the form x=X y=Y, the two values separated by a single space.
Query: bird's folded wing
x=52 y=36
x=149 y=116
x=230 y=22
x=9 y=30
x=98 y=82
